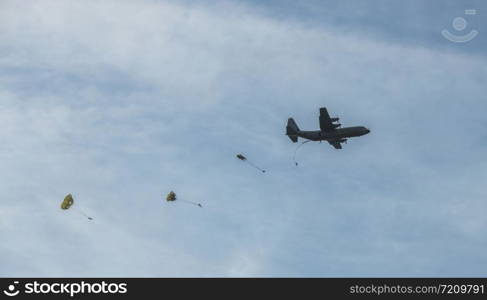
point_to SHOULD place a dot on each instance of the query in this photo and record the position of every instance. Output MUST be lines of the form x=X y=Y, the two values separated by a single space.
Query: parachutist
x=172 y=197
x=243 y=158
x=68 y=202
x=296 y=151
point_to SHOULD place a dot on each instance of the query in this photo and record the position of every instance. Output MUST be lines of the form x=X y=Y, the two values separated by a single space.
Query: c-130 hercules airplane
x=330 y=131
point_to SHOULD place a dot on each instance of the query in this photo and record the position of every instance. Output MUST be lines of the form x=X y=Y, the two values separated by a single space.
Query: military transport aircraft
x=330 y=131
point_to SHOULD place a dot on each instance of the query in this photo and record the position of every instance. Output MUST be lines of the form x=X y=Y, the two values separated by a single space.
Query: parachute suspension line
x=243 y=158
x=250 y=163
x=191 y=202
x=296 y=151
x=84 y=214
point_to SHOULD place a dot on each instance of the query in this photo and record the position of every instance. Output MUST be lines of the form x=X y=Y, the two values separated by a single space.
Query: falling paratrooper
x=68 y=202
x=296 y=151
x=171 y=197
x=243 y=158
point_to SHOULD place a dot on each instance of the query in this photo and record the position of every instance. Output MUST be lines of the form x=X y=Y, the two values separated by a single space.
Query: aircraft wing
x=326 y=123
x=336 y=144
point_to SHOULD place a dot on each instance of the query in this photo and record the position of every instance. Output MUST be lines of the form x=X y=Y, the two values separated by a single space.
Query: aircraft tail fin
x=292 y=130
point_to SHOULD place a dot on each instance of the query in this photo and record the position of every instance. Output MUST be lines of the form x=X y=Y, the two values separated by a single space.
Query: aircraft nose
x=367 y=130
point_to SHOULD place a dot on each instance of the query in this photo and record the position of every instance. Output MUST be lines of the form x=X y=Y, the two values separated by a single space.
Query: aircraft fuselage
x=340 y=133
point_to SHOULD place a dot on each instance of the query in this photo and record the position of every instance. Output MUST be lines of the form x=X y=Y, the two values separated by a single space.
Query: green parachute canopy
x=67 y=202
x=171 y=196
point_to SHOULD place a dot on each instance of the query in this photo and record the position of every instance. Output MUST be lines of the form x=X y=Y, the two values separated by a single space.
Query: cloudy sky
x=119 y=102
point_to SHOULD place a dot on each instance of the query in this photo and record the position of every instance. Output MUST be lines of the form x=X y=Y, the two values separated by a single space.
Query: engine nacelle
x=334 y=119
x=343 y=141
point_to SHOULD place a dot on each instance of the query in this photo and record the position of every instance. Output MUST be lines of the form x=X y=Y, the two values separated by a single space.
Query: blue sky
x=118 y=102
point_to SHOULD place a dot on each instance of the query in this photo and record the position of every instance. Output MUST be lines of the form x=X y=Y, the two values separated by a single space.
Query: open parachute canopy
x=171 y=196
x=241 y=157
x=67 y=202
